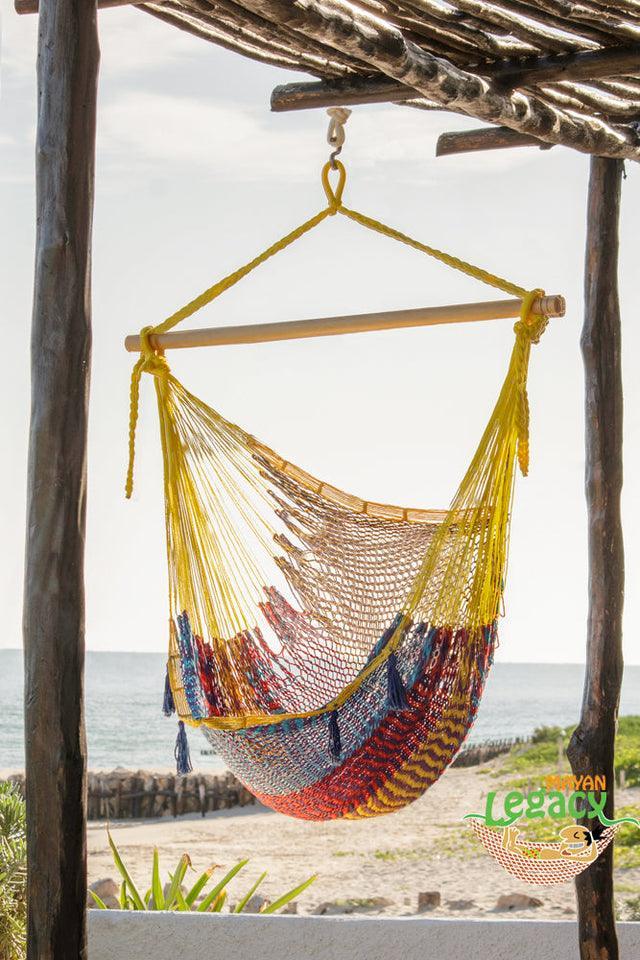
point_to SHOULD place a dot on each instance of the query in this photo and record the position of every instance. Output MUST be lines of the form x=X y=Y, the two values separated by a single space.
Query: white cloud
x=149 y=128
x=235 y=142
x=131 y=42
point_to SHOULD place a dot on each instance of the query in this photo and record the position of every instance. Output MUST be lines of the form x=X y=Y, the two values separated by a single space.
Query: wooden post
x=54 y=590
x=591 y=749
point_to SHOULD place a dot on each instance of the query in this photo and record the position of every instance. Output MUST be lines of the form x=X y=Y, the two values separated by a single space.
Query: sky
x=194 y=177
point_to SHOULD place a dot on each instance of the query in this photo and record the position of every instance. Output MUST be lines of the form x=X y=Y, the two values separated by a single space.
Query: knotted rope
x=150 y=361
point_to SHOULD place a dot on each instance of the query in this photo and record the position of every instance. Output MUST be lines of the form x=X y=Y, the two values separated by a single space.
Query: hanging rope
x=528 y=330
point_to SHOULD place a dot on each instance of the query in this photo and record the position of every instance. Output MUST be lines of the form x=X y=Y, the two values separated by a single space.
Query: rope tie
x=150 y=361
x=528 y=329
x=531 y=325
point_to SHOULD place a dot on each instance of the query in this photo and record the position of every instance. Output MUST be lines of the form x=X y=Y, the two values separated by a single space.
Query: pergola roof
x=564 y=72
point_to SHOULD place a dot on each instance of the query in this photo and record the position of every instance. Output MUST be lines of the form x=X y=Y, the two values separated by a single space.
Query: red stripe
x=399 y=737
x=366 y=770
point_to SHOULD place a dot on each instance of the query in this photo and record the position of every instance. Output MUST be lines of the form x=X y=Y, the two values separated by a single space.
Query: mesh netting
x=325 y=594
x=531 y=868
x=333 y=649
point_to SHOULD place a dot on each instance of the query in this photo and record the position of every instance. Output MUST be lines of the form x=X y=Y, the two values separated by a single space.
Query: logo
x=573 y=848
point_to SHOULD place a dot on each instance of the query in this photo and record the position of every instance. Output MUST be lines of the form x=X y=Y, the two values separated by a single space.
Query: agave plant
x=173 y=895
x=13 y=874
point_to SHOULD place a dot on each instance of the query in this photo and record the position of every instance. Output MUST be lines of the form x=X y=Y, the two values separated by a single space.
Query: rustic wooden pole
x=591 y=749
x=32 y=6
x=507 y=74
x=54 y=590
x=311 y=94
x=485 y=138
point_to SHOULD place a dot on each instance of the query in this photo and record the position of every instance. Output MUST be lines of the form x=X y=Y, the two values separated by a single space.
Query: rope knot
x=151 y=360
x=531 y=325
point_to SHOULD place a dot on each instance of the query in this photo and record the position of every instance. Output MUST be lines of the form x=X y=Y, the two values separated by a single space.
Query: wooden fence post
x=68 y=59
x=591 y=749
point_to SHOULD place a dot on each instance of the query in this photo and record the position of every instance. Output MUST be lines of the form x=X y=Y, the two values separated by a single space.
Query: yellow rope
x=335 y=205
x=150 y=361
x=212 y=574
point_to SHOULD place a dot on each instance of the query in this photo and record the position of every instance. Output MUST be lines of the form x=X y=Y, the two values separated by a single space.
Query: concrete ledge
x=121 y=935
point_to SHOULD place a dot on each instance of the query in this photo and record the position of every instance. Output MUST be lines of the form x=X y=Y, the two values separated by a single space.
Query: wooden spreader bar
x=552 y=306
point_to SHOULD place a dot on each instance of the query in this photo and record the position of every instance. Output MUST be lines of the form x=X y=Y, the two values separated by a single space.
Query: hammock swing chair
x=332 y=650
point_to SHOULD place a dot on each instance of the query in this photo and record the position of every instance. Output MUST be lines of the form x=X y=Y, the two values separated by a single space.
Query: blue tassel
x=395 y=687
x=168 y=706
x=181 y=752
x=335 y=747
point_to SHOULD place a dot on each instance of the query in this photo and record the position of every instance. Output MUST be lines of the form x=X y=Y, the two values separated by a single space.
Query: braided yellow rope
x=212 y=574
x=335 y=205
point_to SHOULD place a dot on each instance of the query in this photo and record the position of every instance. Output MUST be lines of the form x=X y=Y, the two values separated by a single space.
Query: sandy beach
x=373 y=866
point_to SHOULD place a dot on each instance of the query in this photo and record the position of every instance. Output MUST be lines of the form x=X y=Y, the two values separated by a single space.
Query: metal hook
x=338 y=116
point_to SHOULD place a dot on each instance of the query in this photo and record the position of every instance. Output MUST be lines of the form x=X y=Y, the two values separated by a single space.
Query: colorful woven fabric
x=333 y=650
x=388 y=757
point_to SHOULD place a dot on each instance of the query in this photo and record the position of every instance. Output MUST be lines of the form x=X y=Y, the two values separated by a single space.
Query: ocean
x=126 y=728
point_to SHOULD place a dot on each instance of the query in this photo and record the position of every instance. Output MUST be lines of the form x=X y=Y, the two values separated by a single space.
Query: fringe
x=335 y=746
x=181 y=752
x=168 y=706
x=396 y=693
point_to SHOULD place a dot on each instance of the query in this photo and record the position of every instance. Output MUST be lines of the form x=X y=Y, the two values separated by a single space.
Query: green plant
x=173 y=895
x=628 y=749
x=13 y=874
x=540 y=756
x=391 y=856
x=546 y=734
x=633 y=908
x=627 y=848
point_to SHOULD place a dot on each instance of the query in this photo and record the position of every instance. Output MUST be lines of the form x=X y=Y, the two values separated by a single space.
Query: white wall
x=116 y=935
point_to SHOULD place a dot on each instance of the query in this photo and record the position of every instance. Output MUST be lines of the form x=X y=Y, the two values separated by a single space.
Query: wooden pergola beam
x=55 y=748
x=385 y=50
x=329 y=93
x=485 y=138
x=585 y=65
x=505 y=74
x=591 y=750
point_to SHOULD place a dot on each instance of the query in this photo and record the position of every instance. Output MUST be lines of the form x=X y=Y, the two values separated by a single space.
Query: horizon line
x=511 y=663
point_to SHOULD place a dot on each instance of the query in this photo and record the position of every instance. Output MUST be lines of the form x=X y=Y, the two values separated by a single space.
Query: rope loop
x=334 y=195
